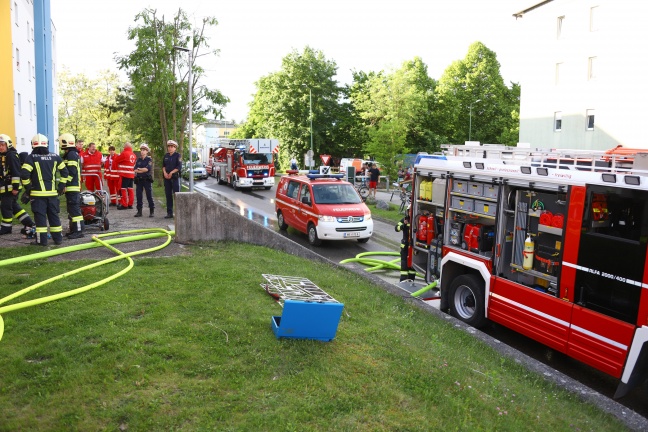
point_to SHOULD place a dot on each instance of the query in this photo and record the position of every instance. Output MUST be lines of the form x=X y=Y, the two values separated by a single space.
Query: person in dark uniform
x=10 y=187
x=73 y=186
x=171 y=167
x=143 y=180
x=38 y=176
x=404 y=226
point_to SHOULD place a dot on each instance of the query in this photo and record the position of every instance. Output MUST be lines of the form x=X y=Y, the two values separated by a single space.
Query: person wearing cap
x=143 y=180
x=38 y=176
x=10 y=187
x=171 y=166
x=72 y=186
x=125 y=165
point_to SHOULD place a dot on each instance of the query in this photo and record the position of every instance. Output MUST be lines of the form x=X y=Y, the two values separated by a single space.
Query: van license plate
x=352 y=234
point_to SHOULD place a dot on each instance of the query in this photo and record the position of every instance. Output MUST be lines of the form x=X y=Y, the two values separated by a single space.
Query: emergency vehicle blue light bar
x=314 y=176
x=419 y=158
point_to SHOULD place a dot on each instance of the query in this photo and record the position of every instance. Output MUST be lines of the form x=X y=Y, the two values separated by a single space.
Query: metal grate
x=295 y=288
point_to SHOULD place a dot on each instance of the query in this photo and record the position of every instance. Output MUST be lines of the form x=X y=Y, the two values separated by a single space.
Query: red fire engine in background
x=551 y=244
x=244 y=163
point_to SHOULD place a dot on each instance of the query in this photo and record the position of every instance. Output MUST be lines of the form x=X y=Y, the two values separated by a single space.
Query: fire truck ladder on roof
x=618 y=159
x=295 y=288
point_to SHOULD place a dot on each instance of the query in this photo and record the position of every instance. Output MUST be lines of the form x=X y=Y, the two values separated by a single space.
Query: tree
x=281 y=106
x=475 y=82
x=156 y=98
x=393 y=107
x=88 y=108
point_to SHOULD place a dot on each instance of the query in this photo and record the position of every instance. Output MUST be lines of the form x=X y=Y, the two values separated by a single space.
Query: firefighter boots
x=139 y=213
x=152 y=212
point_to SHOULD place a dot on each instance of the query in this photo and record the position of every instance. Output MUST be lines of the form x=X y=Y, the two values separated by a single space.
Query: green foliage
x=395 y=109
x=464 y=83
x=88 y=108
x=184 y=343
x=281 y=106
x=157 y=97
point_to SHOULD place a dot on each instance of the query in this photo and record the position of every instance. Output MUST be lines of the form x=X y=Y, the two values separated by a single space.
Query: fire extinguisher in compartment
x=422 y=228
x=527 y=263
x=430 y=229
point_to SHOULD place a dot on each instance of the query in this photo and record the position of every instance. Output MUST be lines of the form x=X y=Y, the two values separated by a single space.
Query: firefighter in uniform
x=72 y=186
x=38 y=177
x=143 y=180
x=404 y=226
x=111 y=175
x=10 y=187
x=125 y=168
x=171 y=167
x=91 y=169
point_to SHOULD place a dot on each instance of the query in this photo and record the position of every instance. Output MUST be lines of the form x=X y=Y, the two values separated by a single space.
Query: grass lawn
x=391 y=215
x=185 y=344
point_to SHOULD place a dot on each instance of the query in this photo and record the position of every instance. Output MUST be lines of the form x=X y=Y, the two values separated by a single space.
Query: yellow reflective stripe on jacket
x=40 y=177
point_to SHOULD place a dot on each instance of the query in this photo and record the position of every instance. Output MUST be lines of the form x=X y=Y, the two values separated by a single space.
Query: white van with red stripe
x=323 y=206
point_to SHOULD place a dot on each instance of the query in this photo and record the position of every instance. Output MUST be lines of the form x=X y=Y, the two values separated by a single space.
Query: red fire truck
x=244 y=163
x=551 y=244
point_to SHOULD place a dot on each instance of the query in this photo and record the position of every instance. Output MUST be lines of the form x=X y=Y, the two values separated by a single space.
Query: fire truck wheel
x=235 y=185
x=312 y=235
x=467 y=300
x=281 y=222
x=220 y=180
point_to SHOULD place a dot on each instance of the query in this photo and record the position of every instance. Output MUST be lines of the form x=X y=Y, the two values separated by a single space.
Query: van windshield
x=335 y=194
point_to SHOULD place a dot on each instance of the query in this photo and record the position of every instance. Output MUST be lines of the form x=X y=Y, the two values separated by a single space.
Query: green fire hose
x=97 y=241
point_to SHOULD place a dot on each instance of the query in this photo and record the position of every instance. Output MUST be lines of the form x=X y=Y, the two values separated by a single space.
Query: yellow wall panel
x=7 y=119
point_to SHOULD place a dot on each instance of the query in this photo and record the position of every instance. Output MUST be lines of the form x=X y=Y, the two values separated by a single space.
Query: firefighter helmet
x=5 y=139
x=40 y=140
x=144 y=147
x=172 y=143
x=67 y=141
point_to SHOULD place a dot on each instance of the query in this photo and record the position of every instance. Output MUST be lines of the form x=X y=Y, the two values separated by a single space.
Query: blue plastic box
x=308 y=320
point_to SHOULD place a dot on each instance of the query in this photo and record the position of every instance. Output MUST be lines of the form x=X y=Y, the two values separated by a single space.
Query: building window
x=558 y=67
x=16 y=13
x=31 y=111
x=19 y=103
x=226 y=133
x=559 y=27
x=591 y=68
x=29 y=66
x=32 y=33
x=594 y=19
x=28 y=35
x=557 y=121
x=17 y=59
x=34 y=71
x=589 y=118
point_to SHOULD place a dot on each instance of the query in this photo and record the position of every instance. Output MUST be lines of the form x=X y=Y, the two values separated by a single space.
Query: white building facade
x=583 y=84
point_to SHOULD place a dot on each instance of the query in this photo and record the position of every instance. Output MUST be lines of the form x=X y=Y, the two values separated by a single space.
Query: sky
x=253 y=36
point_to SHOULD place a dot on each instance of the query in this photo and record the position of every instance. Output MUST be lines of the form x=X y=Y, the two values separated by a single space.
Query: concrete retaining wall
x=198 y=218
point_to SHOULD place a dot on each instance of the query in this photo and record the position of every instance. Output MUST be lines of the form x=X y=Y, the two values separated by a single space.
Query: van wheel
x=312 y=235
x=268 y=187
x=363 y=240
x=467 y=301
x=281 y=222
x=235 y=185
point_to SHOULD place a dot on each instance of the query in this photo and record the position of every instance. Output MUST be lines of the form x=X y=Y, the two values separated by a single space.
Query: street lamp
x=310 y=110
x=470 y=120
x=190 y=107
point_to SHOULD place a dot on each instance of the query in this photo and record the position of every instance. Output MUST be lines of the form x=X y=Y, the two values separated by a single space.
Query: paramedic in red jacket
x=111 y=175
x=125 y=163
x=91 y=168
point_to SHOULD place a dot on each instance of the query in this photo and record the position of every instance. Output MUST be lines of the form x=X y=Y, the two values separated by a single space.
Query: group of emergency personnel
x=44 y=176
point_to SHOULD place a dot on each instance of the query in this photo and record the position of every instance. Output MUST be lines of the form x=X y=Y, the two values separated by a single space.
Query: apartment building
x=583 y=79
x=27 y=39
